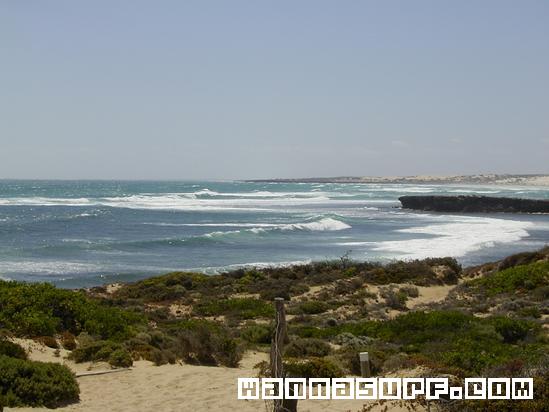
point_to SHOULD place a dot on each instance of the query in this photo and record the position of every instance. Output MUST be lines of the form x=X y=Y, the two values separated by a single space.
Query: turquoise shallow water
x=82 y=233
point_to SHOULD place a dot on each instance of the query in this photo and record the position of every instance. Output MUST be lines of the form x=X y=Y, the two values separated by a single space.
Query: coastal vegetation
x=491 y=321
x=27 y=383
x=40 y=309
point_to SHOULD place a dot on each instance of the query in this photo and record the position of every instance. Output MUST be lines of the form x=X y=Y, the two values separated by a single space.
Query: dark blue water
x=82 y=233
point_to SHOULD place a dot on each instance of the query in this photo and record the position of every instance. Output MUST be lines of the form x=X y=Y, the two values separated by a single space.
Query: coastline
x=541 y=180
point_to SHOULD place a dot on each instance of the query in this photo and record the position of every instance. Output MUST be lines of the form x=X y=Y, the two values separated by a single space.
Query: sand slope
x=170 y=388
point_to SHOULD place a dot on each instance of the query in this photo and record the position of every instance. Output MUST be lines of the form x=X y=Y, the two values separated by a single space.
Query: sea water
x=84 y=233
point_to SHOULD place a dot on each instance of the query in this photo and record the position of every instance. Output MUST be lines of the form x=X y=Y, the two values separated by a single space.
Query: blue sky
x=251 y=89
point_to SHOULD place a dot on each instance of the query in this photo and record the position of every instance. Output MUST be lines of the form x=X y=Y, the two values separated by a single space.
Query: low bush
x=204 y=342
x=259 y=334
x=410 y=291
x=95 y=351
x=513 y=279
x=453 y=339
x=120 y=358
x=40 y=309
x=167 y=287
x=523 y=258
x=395 y=299
x=270 y=293
x=512 y=330
x=312 y=307
x=48 y=341
x=305 y=347
x=539 y=403
x=28 y=383
x=68 y=341
x=241 y=308
x=530 y=312
x=12 y=350
x=379 y=352
x=418 y=272
x=313 y=368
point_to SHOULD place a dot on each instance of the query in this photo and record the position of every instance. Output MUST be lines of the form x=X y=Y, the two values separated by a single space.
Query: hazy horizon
x=232 y=91
x=297 y=178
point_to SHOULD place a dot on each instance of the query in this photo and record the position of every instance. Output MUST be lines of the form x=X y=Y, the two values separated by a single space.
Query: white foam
x=258 y=265
x=44 y=201
x=326 y=224
x=184 y=201
x=396 y=188
x=221 y=233
x=474 y=191
x=355 y=243
x=47 y=267
x=225 y=224
x=457 y=238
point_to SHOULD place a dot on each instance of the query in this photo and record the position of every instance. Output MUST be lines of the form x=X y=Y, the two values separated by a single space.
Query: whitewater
x=84 y=233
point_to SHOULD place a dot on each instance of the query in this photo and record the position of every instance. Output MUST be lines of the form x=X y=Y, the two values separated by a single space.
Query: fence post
x=364 y=364
x=279 y=339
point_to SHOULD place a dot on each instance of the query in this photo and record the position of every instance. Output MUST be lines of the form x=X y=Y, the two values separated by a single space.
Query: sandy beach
x=171 y=388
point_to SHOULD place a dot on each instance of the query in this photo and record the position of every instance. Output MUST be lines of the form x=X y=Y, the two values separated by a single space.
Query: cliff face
x=474 y=204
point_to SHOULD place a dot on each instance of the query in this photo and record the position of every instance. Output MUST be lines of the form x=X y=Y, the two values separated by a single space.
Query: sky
x=113 y=89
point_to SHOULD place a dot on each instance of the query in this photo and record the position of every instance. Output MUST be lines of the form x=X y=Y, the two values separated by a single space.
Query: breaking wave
x=457 y=238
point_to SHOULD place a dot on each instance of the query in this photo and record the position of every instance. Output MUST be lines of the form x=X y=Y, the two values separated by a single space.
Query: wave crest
x=326 y=224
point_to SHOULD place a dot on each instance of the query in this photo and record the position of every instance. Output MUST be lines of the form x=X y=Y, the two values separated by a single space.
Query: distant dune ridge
x=484 y=179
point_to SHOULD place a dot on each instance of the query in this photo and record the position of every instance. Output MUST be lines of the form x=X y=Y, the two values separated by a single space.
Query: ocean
x=85 y=233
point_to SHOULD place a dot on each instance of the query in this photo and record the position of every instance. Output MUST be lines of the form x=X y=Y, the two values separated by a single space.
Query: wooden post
x=364 y=364
x=279 y=339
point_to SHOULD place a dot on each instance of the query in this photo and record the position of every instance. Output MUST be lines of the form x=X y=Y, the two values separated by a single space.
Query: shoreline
x=541 y=180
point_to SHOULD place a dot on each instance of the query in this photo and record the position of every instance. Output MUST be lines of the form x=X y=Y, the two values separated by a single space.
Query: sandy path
x=428 y=295
x=170 y=388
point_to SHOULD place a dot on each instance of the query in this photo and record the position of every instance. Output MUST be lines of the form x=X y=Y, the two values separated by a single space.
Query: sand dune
x=171 y=388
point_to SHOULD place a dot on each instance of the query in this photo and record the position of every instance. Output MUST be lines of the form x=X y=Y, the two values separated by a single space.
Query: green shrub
x=94 y=351
x=28 y=383
x=379 y=352
x=541 y=293
x=512 y=330
x=523 y=258
x=452 y=339
x=539 y=403
x=530 y=312
x=204 y=342
x=242 y=308
x=395 y=299
x=167 y=287
x=120 y=358
x=410 y=291
x=251 y=276
x=313 y=368
x=13 y=350
x=260 y=334
x=418 y=272
x=513 y=279
x=270 y=293
x=42 y=310
x=312 y=307
x=305 y=347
